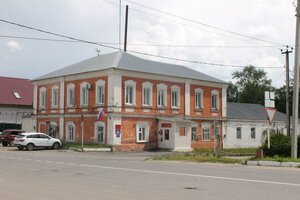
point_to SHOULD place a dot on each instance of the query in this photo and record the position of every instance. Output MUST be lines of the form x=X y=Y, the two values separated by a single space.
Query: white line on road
x=166 y=173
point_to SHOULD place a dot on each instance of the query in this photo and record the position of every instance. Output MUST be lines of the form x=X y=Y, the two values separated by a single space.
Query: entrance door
x=165 y=137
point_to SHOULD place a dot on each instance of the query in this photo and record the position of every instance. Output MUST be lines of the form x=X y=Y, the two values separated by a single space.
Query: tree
x=252 y=83
x=232 y=93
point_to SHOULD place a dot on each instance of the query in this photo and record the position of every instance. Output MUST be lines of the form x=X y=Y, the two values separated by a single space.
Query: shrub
x=280 y=145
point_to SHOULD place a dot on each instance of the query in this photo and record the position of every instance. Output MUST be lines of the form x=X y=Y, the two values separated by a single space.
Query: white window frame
x=199 y=98
x=162 y=88
x=148 y=86
x=100 y=99
x=194 y=134
x=215 y=94
x=204 y=133
x=176 y=91
x=239 y=133
x=128 y=84
x=70 y=87
x=55 y=96
x=83 y=88
x=251 y=132
x=99 y=124
x=43 y=97
x=70 y=124
x=142 y=126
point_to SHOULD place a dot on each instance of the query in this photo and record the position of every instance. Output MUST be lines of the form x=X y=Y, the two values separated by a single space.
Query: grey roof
x=249 y=111
x=126 y=61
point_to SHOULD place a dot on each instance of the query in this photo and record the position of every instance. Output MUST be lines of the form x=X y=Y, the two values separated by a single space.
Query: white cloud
x=14 y=46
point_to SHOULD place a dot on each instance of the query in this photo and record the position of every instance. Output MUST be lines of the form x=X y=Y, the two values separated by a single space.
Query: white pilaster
x=224 y=101
x=187 y=97
x=35 y=97
x=62 y=96
x=114 y=93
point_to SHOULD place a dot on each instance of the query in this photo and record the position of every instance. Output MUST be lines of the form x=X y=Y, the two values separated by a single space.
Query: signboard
x=118 y=130
x=269 y=99
x=166 y=125
x=271 y=114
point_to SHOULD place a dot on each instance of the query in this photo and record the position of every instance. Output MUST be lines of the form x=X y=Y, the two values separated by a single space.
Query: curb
x=91 y=149
x=272 y=163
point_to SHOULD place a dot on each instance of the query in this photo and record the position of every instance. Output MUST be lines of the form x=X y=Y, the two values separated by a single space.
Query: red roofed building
x=16 y=97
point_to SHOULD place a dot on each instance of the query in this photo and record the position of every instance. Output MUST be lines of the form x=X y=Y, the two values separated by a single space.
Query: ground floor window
x=167 y=134
x=70 y=136
x=194 y=134
x=238 y=133
x=99 y=132
x=206 y=134
x=142 y=132
x=253 y=135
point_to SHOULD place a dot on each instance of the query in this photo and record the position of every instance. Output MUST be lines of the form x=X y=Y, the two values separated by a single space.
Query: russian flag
x=101 y=114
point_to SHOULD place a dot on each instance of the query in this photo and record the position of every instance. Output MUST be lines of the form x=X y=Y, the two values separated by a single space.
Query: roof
x=16 y=91
x=126 y=61
x=249 y=111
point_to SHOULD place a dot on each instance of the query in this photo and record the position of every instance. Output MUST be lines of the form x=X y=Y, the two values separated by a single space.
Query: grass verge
x=197 y=158
x=68 y=145
x=279 y=159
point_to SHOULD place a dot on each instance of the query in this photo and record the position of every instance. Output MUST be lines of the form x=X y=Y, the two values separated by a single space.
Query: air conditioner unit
x=88 y=86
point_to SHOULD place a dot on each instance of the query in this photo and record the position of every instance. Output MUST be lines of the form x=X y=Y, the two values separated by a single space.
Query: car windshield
x=5 y=133
x=20 y=136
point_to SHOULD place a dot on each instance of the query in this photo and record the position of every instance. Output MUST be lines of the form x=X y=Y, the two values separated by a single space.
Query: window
x=100 y=92
x=239 y=133
x=130 y=92
x=253 y=134
x=147 y=94
x=167 y=134
x=215 y=100
x=206 y=134
x=142 y=132
x=54 y=96
x=17 y=95
x=99 y=132
x=161 y=95
x=175 y=96
x=70 y=95
x=70 y=136
x=182 y=131
x=198 y=98
x=43 y=98
x=194 y=134
x=84 y=94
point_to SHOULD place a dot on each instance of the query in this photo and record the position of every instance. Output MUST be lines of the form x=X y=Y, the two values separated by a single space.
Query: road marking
x=161 y=172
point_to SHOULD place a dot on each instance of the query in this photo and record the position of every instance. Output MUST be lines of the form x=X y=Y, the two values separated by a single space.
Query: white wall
x=13 y=115
x=230 y=136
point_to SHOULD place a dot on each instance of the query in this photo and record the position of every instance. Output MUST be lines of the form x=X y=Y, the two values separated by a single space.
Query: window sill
x=130 y=105
x=83 y=106
x=175 y=108
x=199 y=109
x=161 y=107
x=214 y=110
x=70 y=107
x=141 y=142
x=146 y=106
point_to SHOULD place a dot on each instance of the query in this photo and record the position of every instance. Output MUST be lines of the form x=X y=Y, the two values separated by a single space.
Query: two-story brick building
x=148 y=104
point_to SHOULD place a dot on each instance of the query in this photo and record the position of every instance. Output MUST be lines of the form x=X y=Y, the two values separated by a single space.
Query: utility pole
x=296 y=85
x=287 y=97
x=126 y=22
x=120 y=17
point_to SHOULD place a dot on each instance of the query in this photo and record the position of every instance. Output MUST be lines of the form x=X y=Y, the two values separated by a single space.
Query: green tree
x=252 y=83
x=232 y=93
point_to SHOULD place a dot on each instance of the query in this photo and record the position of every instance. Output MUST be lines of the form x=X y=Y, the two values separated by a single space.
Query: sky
x=200 y=31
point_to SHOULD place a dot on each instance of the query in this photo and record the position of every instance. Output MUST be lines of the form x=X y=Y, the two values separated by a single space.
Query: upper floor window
x=162 y=95
x=147 y=94
x=215 y=100
x=142 y=132
x=175 y=98
x=130 y=92
x=84 y=93
x=70 y=95
x=100 y=92
x=42 y=98
x=54 y=96
x=198 y=98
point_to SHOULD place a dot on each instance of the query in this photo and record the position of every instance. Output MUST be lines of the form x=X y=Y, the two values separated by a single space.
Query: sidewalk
x=272 y=163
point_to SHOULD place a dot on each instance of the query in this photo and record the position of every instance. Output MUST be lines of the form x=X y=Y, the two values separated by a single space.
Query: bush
x=280 y=145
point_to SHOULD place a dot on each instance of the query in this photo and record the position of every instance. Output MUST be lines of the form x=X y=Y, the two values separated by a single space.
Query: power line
x=137 y=52
x=204 y=24
x=144 y=44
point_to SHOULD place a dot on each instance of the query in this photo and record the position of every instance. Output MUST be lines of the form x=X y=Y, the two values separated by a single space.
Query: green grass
x=279 y=159
x=197 y=158
x=68 y=145
x=240 y=151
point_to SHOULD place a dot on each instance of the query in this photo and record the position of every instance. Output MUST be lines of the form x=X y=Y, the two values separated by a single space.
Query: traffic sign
x=271 y=114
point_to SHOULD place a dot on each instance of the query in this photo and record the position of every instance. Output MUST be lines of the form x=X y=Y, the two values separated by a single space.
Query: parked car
x=33 y=140
x=8 y=136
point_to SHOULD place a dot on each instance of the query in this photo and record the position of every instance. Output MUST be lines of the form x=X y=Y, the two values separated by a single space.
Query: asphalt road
x=61 y=174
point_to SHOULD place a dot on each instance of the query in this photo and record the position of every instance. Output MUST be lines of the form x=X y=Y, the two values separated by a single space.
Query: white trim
x=43 y=100
x=141 y=125
x=147 y=85
x=213 y=93
x=67 y=131
x=199 y=91
x=187 y=98
x=54 y=99
x=162 y=87
x=176 y=89
x=70 y=86
x=100 y=83
x=130 y=83
x=83 y=87
x=96 y=125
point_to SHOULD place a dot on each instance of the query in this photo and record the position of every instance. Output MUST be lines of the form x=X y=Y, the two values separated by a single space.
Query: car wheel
x=4 y=144
x=56 y=145
x=20 y=148
x=30 y=147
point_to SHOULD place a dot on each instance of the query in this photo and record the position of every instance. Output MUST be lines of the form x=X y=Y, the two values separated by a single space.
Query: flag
x=101 y=114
